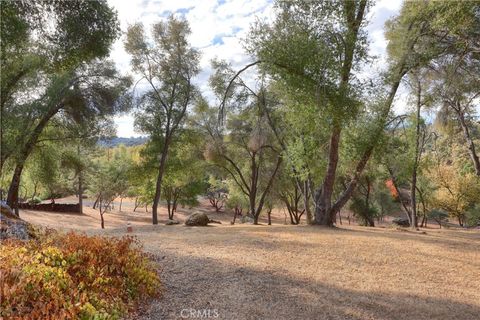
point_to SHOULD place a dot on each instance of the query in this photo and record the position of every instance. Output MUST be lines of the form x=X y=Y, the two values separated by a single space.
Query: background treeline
x=303 y=127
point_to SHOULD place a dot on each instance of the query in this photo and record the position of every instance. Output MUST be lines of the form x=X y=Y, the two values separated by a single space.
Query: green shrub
x=439 y=216
x=364 y=214
x=74 y=276
x=35 y=200
x=472 y=216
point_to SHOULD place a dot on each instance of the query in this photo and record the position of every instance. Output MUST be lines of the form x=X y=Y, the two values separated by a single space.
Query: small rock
x=171 y=222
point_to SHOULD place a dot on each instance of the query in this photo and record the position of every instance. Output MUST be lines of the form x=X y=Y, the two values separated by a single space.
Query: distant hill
x=113 y=142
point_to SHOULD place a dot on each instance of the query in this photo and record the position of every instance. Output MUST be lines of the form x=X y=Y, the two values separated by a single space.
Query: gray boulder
x=12 y=227
x=402 y=222
x=199 y=219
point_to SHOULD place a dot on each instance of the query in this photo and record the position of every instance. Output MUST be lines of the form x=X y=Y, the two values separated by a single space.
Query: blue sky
x=218 y=28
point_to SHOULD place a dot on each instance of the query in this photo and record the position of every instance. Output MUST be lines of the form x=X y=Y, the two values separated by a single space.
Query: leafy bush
x=364 y=214
x=438 y=215
x=74 y=276
x=473 y=216
x=35 y=200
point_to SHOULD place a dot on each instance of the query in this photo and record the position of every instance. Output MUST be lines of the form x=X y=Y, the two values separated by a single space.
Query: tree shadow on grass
x=240 y=292
x=461 y=240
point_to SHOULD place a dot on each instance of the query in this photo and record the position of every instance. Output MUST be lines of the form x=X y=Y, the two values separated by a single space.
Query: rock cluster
x=12 y=227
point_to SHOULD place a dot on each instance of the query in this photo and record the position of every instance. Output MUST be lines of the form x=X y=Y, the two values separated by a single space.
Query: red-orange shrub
x=391 y=188
x=65 y=276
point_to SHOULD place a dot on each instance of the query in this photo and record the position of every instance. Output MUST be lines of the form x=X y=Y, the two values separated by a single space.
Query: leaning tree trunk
x=12 y=197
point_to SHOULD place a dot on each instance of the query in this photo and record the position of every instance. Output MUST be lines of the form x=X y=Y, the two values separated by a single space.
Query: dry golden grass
x=302 y=272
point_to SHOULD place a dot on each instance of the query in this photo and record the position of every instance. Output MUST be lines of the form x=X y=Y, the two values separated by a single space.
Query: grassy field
x=301 y=272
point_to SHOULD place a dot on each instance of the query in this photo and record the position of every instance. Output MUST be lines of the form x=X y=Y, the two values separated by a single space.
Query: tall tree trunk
x=369 y=219
x=100 y=205
x=80 y=185
x=324 y=213
x=306 y=200
x=253 y=188
x=80 y=191
x=424 y=207
x=158 y=187
x=323 y=197
x=12 y=196
x=413 y=187
x=102 y=221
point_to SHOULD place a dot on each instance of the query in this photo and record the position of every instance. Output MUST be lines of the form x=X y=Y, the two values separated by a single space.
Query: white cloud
x=218 y=28
x=124 y=125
